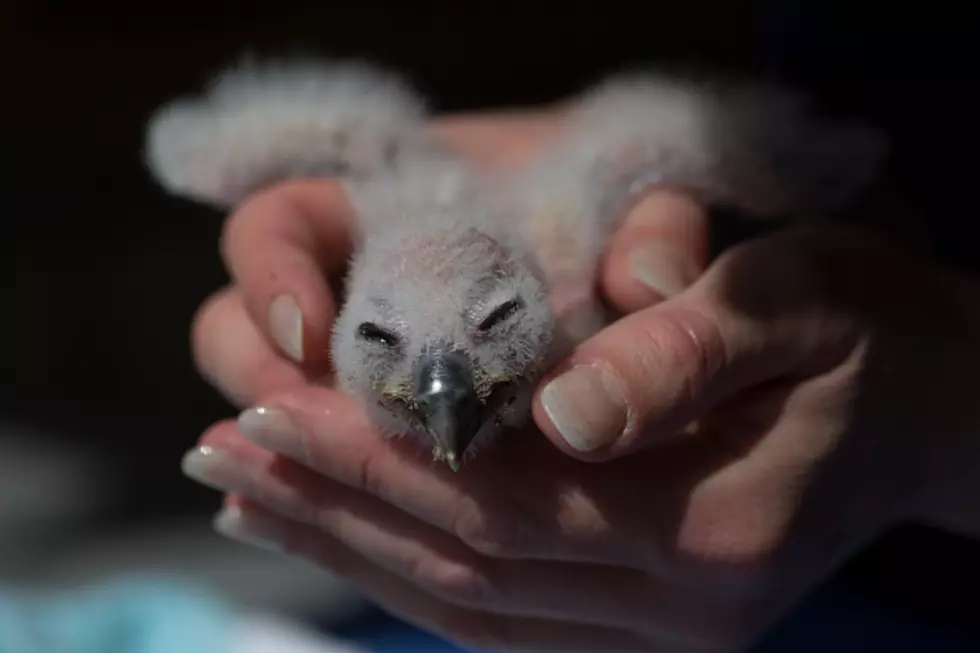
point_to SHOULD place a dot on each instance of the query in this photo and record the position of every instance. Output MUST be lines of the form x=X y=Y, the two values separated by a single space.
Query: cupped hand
x=287 y=248
x=829 y=394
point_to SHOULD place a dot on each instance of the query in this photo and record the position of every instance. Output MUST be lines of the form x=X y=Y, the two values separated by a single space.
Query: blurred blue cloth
x=130 y=615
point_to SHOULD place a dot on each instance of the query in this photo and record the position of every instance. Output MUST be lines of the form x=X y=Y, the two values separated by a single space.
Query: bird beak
x=447 y=403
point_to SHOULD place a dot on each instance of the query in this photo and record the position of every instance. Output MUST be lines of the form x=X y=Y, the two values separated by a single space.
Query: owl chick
x=464 y=288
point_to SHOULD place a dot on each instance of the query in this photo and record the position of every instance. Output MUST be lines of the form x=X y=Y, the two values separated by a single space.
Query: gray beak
x=447 y=402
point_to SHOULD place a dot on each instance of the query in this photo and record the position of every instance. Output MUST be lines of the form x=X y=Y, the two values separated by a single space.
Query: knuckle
x=256 y=217
x=469 y=526
x=205 y=323
x=685 y=342
x=207 y=310
x=459 y=583
x=488 y=532
x=370 y=477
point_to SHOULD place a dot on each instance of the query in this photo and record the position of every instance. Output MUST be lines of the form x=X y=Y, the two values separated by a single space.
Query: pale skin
x=830 y=377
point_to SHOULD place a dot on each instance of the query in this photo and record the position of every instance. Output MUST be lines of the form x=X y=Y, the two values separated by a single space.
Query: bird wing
x=759 y=148
x=257 y=124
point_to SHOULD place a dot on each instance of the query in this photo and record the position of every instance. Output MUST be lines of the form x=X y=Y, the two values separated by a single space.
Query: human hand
x=286 y=249
x=802 y=357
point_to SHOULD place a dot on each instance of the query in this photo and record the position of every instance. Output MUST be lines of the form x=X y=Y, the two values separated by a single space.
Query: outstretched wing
x=761 y=149
x=261 y=123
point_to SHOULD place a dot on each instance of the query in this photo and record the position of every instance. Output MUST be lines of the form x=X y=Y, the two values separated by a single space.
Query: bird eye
x=501 y=313
x=373 y=333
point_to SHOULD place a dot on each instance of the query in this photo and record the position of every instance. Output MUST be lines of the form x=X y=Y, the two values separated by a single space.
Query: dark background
x=103 y=271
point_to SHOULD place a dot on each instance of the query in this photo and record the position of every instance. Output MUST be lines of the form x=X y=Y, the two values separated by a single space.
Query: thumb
x=650 y=374
x=642 y=378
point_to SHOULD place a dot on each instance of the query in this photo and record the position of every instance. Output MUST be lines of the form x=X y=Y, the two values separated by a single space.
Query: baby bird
x=466 y=287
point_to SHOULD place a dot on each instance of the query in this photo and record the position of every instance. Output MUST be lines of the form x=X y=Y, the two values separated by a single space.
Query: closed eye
x=373 y=333
x=501 y=313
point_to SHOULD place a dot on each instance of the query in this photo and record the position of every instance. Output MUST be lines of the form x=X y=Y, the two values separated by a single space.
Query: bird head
x=443 y=334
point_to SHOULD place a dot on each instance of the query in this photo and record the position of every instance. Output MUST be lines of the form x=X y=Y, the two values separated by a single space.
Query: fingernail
x=286 y=326
x=204 y=464
x=587 y=405
x=249 y=528
x=273 y=429
x=657 y=268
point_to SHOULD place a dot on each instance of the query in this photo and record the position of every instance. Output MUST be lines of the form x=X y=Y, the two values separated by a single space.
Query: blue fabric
x=130 y=615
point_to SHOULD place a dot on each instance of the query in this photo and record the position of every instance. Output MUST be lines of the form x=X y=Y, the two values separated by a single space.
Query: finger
x=438 y=563
x=281 y=247
x=755 y=315
x=232 y=355
x=660 y=249
x=256 y=525
x=552 y=506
